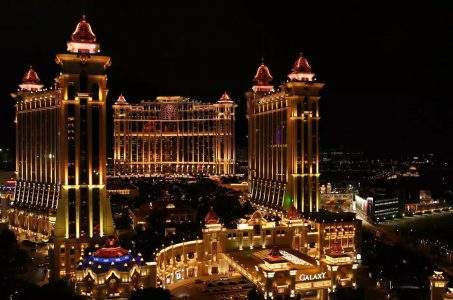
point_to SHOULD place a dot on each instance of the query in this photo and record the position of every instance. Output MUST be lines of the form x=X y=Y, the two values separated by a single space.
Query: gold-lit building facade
x=316 y=253
x=283 y=139
x=61 y=153
x=174 y=135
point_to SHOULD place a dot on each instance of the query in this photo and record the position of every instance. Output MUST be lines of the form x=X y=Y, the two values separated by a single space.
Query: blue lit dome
x=111 y=258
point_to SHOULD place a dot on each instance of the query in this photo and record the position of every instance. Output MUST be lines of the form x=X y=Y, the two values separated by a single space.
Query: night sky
x=387 y=67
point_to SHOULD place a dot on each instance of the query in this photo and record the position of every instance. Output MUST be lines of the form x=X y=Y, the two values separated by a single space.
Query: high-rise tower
x=283 y=139
x=61 y=153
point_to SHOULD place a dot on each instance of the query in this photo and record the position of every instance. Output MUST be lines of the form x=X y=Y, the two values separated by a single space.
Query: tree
x=123 y=222
x=12 y=263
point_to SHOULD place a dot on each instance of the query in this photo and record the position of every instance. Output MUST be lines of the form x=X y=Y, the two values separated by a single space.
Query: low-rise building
x=427 y=204
x=337 y=202
x=122 y=187
x=377 y=206
x=7 y=188
x=113 y=272
x=313 y=253
x=171 y=212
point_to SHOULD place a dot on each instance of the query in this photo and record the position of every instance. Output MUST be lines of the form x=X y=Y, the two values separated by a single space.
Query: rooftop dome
x=31 y=76
x=30 y=81
x=83 y=39
x=83 y=32
x=225 y=98
x=301 y=65
x=110 y=252
x=293 y=214
x=301 y=70
x=121 y=100
x=211 y=217
x=263 y=76
x=110 y=258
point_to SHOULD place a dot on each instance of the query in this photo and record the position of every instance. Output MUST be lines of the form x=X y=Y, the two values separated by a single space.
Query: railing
x=243 y=271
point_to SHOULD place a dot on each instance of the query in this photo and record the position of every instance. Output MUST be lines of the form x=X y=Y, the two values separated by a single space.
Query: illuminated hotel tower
x=174 y=135
x=61 y=153
x=283 y=139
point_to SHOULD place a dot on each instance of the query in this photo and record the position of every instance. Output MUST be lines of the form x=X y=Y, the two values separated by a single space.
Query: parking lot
x=224 y=288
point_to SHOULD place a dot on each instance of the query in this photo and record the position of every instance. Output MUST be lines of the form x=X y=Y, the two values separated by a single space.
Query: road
x=212 y=288
x=408 y=231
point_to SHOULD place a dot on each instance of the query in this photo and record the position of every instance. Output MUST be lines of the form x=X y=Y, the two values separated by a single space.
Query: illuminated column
x=292 y=287
x=268 y=289
x=225 y=135
x=121 y=112
x=83 y=206
x=332 y=269
x=438 y=285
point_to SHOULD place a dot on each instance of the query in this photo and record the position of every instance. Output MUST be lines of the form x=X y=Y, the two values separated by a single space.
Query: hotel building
x=174 y=135
x=283 y=139
x=61 y=153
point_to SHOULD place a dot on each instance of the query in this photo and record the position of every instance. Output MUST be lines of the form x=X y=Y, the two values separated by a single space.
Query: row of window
x=246 y=234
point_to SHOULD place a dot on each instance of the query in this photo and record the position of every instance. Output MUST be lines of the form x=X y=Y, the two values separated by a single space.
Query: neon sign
x=310 y=277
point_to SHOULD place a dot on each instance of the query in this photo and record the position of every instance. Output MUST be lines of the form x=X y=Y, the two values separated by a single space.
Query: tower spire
x=30 y=81
x=263 y=79
x=301 y=70
x=83 y=40
x=225 y=98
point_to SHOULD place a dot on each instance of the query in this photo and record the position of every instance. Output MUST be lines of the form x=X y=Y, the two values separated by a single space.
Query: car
x=197 y=281
x=224 y=278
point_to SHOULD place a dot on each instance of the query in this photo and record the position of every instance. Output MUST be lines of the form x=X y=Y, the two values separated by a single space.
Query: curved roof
x=31 y=76
x=293 y=214
x=301 y=65
x=225 y=98
x=121 y=100
x=211 y=217
x=263 y=75
x=110 y=252
x=110 y=258
x=83 y=32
